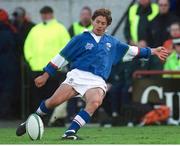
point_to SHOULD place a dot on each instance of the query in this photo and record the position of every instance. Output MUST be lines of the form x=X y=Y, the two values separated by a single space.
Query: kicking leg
x=63 y=93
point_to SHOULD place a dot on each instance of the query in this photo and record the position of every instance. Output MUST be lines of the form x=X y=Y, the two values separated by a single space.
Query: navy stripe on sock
x=43 y=108
x=86 y=117
x=74 y=126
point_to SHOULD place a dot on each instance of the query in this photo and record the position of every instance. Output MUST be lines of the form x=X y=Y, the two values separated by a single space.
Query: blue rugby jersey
x=84 y=53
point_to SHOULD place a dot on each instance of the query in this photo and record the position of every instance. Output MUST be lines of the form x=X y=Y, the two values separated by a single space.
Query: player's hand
x=161 y=53
x=41 y=80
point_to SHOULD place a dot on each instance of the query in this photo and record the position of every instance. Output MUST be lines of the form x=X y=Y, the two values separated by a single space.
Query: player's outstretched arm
x=160 y=52
x=135 y=52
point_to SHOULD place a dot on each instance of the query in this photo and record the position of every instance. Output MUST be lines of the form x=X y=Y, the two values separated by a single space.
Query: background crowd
x=26 y=47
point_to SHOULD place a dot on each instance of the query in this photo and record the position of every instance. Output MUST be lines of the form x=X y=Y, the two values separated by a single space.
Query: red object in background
x=157 y=115
x=3 y=15
x=5 y=19
x=168 y=44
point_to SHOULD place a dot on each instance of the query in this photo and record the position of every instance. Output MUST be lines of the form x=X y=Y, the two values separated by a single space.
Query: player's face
x=99 y=25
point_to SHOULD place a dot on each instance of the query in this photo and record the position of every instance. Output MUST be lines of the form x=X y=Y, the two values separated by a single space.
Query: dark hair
x=46 y=9
x=103 y=12
x=19 y=11
x=86 y=8
x=175 y=23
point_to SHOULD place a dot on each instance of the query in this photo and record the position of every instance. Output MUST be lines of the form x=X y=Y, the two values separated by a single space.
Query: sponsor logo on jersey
x=89 y=46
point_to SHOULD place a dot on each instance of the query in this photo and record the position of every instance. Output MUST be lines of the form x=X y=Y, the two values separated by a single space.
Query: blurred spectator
x=118 y=94
x=76 y=28
x=159 y=26
x=173 y=61
x=173 y=64
x=174 y=33
x=158 y=31
x=139 y=17
x=43 y=42
x=84 y=23
x=23 y=26
x=8 y=68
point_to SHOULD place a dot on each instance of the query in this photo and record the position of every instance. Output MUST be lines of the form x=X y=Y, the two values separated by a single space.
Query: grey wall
x=67 y=11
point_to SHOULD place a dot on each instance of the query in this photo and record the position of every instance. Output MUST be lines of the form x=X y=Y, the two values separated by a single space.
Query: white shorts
x=81 y=81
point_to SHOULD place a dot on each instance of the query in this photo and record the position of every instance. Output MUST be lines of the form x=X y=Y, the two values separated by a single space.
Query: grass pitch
x=114 y=135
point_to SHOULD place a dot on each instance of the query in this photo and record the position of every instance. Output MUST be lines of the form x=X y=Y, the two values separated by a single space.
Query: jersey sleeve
x=135 y=52
x=68 y=54
x=121 y=50
x=72 y=49
x=56 y=63
x=128 y=53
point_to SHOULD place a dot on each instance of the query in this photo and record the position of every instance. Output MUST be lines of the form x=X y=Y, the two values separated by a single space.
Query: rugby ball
x=34 y=127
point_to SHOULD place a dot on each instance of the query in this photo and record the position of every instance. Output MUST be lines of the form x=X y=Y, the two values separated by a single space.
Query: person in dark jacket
x=159 y=27
x=8 y=67
x=139 y=17
x=23 y=26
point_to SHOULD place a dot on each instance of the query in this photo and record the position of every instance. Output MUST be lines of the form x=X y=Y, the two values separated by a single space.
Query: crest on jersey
x=89 y=46
x=108 y=46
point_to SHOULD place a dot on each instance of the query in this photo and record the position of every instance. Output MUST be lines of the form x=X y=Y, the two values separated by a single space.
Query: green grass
x=115 y=135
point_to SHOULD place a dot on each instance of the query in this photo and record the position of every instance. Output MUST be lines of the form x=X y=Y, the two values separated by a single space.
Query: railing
x=140 y=73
